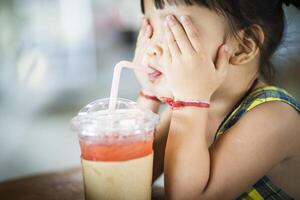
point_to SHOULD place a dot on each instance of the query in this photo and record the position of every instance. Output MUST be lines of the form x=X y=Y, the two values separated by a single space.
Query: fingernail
x=226 y=48
x=170 y=19
x=184 y=18
x=166 y=23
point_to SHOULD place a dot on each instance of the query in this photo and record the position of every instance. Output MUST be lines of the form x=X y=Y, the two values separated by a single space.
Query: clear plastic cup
x=116 y=150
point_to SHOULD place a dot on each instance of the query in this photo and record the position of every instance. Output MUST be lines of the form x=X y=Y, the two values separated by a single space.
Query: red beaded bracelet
x=178 y=104
x=153 y=98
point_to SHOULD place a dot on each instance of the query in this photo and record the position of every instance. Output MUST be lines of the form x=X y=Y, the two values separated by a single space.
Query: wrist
x=190 y=109
x=148 y=102
x=193 y=120
x=190 y=115
x=177 y=104
x=149 y=96
x=190 y=98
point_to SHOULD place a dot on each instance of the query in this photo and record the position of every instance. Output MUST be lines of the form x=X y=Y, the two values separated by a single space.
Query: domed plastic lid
x=96 y=120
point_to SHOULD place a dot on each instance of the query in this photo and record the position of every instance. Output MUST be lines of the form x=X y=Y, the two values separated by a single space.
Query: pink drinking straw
x=116 y=81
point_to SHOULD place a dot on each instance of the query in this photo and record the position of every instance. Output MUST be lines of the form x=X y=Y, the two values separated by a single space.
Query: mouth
x=153 y=73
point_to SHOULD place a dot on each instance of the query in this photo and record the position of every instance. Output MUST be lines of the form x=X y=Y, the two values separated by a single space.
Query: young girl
x=227 y=134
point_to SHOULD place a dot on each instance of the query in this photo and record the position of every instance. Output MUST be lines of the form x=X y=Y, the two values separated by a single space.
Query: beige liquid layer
x=126 y=180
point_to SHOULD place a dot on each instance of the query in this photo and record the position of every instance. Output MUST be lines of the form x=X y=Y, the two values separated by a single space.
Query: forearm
x=160 y=141
x=187 y=162
x=161 y=134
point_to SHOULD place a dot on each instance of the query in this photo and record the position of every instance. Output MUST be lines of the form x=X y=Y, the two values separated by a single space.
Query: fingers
x=142 y=29
x=149 y=31
x=171 y=42
x=143 y=40
x=223 y=60
x=166 y=52
x=192 y=32
x=179 y=34
x=145 y=31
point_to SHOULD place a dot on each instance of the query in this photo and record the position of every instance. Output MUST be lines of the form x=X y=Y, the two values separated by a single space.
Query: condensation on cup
x=116 y=150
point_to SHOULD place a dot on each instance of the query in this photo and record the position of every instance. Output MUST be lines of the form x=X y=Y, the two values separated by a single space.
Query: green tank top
x=264 y=189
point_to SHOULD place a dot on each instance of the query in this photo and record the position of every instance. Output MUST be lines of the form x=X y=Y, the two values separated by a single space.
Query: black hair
x=243 y=15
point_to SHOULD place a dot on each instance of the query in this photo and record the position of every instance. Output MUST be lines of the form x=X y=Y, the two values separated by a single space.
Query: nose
x=154 y=50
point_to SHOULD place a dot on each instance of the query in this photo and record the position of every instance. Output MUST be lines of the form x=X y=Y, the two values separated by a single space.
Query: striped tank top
x=264 y=189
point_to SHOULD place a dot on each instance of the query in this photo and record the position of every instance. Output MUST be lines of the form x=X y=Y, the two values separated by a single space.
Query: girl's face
x=211 y=26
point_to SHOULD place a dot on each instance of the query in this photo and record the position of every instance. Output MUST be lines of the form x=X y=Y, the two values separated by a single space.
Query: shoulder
x=275 y=121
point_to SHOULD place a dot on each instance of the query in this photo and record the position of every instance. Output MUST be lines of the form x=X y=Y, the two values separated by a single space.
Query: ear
x=247 y=45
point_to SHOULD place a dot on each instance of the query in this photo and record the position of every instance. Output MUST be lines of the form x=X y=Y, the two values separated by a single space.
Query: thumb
x=223 y=59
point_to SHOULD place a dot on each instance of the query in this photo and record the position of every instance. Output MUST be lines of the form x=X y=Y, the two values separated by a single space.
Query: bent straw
x=116 y=81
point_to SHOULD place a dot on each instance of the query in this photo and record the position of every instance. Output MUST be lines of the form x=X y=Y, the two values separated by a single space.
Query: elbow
x=184 y=196
x=187 y=195
x=191 y=192
x=185 y=188
x=185 y=192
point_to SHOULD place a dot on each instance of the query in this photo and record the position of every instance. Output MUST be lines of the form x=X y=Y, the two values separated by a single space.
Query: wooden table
x=62 y=185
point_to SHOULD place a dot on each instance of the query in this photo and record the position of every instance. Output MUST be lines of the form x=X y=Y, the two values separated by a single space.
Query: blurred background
x=58 y=55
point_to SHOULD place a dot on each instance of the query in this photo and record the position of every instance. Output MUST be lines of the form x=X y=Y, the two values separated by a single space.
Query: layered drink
x=116 y=150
